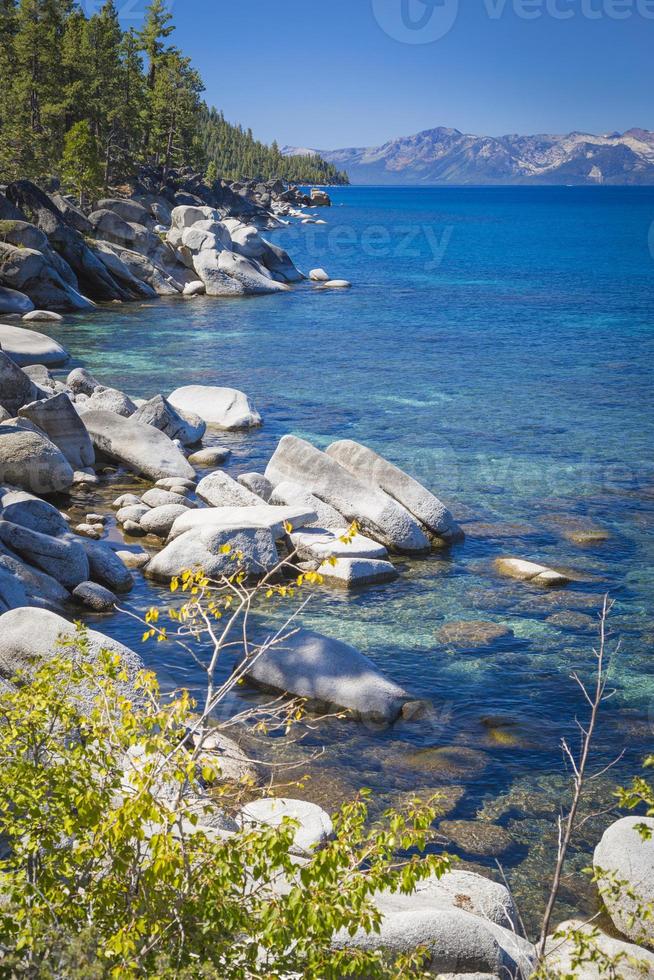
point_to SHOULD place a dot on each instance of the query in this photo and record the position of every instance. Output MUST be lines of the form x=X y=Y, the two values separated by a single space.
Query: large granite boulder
x=92 y=276
x=140 y=447
x=145 y=270
x=201 y=549
x=458 y=937
x=293 y=494
x=329 y=673
x=31 y=512
x=127 y=209
x=158 y=412
x=108 y=400
x=41 y=589
x=279 y=264
x=13 y=301
x=16 y=387
x=561 y=955
x=254 y=277
x=29 y=460
x=315 y=825
x=121 y=271
x=106 y=567
x=32 y=636
x=206 y=265
x=28 y=271
x=372 y=469
x=379 y=516
x=13 y=594
x=276 y=519
x=220 y=408
x=57 y=417
x=624 y=867
x=65 y=560
x=26 y=347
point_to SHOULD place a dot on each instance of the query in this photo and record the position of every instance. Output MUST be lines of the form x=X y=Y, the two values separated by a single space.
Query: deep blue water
x=497 y=343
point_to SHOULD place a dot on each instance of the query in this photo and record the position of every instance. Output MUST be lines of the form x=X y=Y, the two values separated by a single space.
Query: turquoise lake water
x=497 y=344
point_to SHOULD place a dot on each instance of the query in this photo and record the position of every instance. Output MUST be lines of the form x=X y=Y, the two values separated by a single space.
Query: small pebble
x=90 y=531
x=133 y=529
x=134 y=559
x=211 y=456
x=96 y=519
x=126 y=500
x=170 y=482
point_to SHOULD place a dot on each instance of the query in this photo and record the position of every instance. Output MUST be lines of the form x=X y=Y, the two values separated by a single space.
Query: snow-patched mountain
x=447 y=156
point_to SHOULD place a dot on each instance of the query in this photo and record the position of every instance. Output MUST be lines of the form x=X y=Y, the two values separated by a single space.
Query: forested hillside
x=87 y=101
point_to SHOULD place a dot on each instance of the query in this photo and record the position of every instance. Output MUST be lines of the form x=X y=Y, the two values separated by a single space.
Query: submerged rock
x=211 y=456
x=529 y=571
x=477 y=837
x=456 y=761
x=472 y=633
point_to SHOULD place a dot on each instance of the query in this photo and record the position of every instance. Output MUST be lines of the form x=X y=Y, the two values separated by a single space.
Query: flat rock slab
x=352 y=572
x=221 y=408
x=529 y=571
x=140 y=447
x=263 y=515
x=472 y=634
x=25 y=347
x=322 y=543
x=329 y=672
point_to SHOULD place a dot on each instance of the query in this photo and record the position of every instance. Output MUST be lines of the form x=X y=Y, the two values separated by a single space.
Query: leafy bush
x=114 y=864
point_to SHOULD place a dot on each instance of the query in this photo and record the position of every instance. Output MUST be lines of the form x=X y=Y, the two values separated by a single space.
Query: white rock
x=254 y=278
x=294 y=495
x=335 y=284
x=29 y=460
x=261 y=515
x=315 y=826
x=373 y=469
x=210 y=456
x=318 y=275
x=141 y=447
x=195 y=288
x=43 y=315
x=134 y=559
x=201 y=549
x=529 y=571
x=320 y=543
x=158 y=497
x=631 y=962
x=378 y=515
x=160 y=519
x=222 y=408
x=220 y=490
x=327 y=671
x=163 y=416
x=257 y=484
x=26 y=347
x=352 y=572
x=625 y=855
x=57 y=417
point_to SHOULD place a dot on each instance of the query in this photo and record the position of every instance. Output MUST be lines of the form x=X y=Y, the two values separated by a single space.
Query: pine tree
x=81 y=168
x=157 y=27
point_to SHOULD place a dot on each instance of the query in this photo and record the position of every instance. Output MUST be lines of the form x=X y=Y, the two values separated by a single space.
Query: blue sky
x=341 y=73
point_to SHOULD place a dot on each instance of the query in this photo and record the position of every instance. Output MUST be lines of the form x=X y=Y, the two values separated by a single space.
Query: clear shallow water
x=498 y=345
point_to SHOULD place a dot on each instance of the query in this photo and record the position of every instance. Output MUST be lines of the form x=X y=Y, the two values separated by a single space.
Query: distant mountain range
x=447 y=156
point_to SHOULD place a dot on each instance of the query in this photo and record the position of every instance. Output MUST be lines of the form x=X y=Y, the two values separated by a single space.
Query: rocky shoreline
x=178 y=237
x=58 y=435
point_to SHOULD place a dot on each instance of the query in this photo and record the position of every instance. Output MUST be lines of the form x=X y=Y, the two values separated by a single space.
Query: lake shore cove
x=62 y=437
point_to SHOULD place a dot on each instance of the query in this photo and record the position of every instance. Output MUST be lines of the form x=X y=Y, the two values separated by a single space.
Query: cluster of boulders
x=176 y=238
